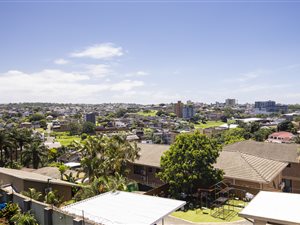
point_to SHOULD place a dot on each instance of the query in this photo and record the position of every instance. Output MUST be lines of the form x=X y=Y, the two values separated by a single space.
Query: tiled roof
x=150 y=154
x=274 y=151
x=238 y=165
x=248 y=167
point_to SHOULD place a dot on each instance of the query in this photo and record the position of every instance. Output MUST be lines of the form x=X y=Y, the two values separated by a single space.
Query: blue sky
x=143 y=52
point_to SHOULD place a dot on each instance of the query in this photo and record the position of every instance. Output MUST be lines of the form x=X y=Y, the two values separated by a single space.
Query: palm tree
x=120 y=151
x=102 y=185
x=52 y=198
x=5 y=144
x=21 y=137
x=24 y=219
x=32 y=193
x=102 y=156
x=34 y=153
x=62 y=169
x=93 y=160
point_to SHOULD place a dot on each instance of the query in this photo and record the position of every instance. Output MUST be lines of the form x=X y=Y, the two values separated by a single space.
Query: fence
x=45 y=214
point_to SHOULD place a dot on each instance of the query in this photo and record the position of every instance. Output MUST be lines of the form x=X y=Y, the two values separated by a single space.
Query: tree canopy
x=188 y=164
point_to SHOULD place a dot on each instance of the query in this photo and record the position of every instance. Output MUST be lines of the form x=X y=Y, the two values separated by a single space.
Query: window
x=150 y=169
x=138 y=170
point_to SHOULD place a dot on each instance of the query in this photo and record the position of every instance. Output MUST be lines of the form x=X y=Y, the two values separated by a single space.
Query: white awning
x=124 y=208
x=73 y=164
x=276 y=207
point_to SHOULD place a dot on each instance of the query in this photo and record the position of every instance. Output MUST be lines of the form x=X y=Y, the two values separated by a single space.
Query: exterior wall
x=253 y=187
x=61 y=218
x=38 y=210
x=293 y=173
x=147 y=177
x=63 y=191
x=247 y=184
x=17 y=183
x=274 y=185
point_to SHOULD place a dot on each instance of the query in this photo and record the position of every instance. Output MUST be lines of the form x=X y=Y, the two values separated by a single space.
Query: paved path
x=170 y=220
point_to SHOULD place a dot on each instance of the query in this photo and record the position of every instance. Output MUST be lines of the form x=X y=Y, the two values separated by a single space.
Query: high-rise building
x=231 y=102
x=178 y=109
x=188 y=111
x=90 y=117
x=267 y=107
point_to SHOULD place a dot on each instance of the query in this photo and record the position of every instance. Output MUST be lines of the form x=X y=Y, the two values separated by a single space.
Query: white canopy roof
x=276 y=207
x=73 y=164
x=124 y=208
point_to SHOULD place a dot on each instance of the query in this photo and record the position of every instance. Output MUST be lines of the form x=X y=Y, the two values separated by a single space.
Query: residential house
x=244 y=170
x=144 y=169
x=273 y=151
x=23 y=180
x=281 y=137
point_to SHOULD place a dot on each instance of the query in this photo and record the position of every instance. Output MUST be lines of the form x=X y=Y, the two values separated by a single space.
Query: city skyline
x=142 y=52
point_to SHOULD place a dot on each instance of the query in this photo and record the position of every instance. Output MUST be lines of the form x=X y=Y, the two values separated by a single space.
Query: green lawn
x=198 y=215
x=150 y=113
x=208 y=124
x=40 y=130
x=66 y=140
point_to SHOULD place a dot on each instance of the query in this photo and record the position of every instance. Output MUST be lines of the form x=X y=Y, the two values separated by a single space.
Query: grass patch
x=205 y=215
x=40 y=130
x=147 y=113
x=208 y=124
x=66 y=140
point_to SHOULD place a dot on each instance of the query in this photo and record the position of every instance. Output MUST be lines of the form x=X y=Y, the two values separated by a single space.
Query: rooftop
x=248 y=167
x=124 y=208
x=31 y=176
x=274 y=207
x=150 y=154
x=273 y=151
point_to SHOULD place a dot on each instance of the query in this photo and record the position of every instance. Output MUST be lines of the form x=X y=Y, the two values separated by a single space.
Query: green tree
x=233 y=135
x=43 y=123
x=21 y=137
x=75 y=128
x=24 y=219
x=34 y=153
x=188 y=164
x=119 y=151
x=62 y=169
x=53 y=198
x=286 y=126
x=5 y=143
x=102 y=185
x=93 y=160
x=36 y=117
x=88 y=128
x=262 y=134
x=32 y=193
x=121 y=113
x=103 y=156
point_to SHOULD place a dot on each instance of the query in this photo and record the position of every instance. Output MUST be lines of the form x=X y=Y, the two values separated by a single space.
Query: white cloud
x=61 y=61
x=58 y=86
x=99 y=70
x=252 y=75
x=126 y=85
x=137 y=74
x=99 y=51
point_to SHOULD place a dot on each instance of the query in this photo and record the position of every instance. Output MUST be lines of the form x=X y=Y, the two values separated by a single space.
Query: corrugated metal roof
x=124 y=208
